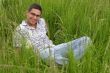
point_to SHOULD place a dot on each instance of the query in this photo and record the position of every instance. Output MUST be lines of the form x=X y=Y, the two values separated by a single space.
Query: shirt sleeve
x=49 y=42
x=44 y=24
x=17 y=38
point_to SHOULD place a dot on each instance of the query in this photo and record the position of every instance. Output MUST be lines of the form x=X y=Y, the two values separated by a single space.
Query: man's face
x=33 y=16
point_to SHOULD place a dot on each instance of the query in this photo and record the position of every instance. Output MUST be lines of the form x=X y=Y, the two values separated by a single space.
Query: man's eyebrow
x=35 y=14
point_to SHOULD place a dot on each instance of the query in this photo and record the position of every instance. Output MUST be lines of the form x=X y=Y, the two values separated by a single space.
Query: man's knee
x=86 y=40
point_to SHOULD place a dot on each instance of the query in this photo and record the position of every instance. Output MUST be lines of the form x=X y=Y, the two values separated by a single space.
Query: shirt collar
x=24 y=23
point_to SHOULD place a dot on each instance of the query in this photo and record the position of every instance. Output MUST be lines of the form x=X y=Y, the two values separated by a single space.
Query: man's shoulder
x=21 y=26
x=18 y=28
x=42 y=19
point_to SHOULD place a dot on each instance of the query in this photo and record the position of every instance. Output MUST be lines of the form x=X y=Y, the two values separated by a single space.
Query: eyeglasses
x=35 y=14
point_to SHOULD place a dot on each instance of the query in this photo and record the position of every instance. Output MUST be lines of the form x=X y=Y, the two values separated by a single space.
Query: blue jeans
x=59 y=52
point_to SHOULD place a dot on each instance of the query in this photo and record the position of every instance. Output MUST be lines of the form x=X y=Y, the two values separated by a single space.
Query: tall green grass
x=67 y=20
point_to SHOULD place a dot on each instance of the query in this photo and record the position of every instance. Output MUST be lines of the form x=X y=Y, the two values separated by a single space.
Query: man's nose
x=35 y=17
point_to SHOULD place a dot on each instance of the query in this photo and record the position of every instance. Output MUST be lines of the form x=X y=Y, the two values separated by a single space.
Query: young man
x=33 y=30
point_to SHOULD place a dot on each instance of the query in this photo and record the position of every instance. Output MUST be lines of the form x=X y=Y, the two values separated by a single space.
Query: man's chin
x=33 y=23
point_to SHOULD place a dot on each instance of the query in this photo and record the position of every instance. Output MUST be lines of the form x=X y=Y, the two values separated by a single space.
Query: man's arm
x=17 y=37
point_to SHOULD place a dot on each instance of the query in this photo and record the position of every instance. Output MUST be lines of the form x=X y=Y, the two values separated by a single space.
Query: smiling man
x=34 y=30
x=33 y=15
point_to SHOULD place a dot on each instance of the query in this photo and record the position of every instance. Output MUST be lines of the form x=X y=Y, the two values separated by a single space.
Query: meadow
x=67 y=20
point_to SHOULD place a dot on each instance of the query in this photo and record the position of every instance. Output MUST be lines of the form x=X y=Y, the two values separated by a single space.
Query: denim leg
x=79 y=46
x=60 y=51
x=55 y=53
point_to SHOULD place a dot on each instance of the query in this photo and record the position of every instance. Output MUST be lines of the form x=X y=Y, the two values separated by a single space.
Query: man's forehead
x=36 y=11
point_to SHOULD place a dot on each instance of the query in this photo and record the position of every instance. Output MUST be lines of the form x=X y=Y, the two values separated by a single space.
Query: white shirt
x=35 y=36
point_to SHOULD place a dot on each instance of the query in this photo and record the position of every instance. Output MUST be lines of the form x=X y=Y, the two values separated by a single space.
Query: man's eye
x=38 y=15
x=33 y=14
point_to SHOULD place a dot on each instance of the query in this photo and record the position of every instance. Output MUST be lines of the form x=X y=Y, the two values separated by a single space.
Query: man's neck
x=31 y=25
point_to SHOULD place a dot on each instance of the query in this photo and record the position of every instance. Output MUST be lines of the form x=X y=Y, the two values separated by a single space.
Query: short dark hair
x=35 y=6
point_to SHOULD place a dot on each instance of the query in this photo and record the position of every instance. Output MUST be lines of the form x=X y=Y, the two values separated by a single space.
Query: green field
x=67 y=20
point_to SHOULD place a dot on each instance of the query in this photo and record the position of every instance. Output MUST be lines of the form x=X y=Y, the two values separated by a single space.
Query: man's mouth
x=33 y=21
